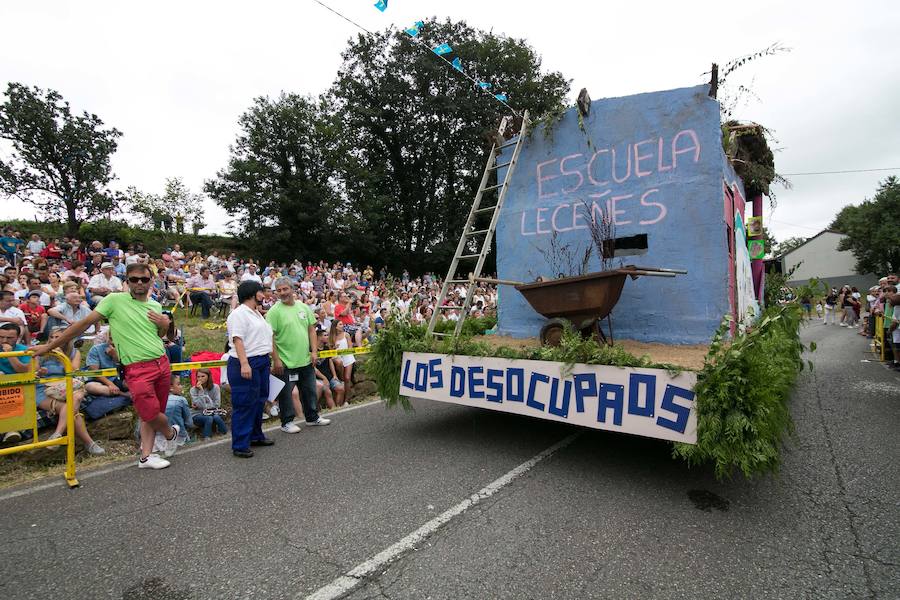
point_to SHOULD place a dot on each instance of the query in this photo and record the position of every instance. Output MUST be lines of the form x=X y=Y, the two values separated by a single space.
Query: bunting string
x=442 y=51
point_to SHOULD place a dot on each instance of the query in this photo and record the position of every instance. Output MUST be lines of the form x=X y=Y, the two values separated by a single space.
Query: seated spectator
x=103 y=355
x=53 y=287
x=33 y=284
x=343 y=313
x=77 y=273
x=73 y=309
x=328 y=381
x=178 y=412
x=9 y=313
x=202 y=288
x=35 y=314
x=228 y=289
x=51 y=397
x=104 y=283
x=9 y=342
x=251 y=275
x=206 y=399
x=36 y=245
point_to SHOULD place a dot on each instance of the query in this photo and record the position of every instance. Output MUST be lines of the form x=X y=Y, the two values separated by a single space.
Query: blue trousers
x=248 y=397
x=206 y=422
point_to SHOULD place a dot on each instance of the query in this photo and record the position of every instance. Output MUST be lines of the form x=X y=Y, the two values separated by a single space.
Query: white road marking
x=129 y=463
x=358 y=574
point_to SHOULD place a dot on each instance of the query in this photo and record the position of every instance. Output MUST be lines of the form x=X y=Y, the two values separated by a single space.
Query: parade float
x=586 y=197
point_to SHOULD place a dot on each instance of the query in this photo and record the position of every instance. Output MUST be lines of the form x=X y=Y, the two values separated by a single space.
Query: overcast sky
x=175 y=76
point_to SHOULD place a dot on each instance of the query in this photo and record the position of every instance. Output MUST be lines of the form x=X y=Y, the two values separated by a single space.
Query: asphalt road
x=602 y=516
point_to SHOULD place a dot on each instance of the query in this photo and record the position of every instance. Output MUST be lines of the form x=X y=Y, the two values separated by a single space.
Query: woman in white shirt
x=250 y=338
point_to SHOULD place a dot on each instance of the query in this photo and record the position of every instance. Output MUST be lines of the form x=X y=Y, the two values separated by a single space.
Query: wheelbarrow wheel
x=552 y=332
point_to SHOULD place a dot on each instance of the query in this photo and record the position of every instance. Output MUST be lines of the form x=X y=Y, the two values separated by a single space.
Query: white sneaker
x=172 y=445
x=273 y=411
x=159 y=442
x=265 y=416
x=290 y=428
x=320 y=421
x=153 y=462
x=95 y=449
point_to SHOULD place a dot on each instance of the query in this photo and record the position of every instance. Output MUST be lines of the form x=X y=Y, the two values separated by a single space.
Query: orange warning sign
x=12 y=402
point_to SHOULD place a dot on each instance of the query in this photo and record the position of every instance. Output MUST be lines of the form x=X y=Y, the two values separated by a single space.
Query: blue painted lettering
x=532 y=387
x=556 y=408
x=476 y=383
x=681 y=412
x=634 y=405
x=457 y=382
x=421 y=377
x=611 y=396
x=496 y=386
x=585 y=387
x=437 y=375
x=515 y=385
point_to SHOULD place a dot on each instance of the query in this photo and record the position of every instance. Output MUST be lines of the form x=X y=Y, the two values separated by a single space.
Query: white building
x=819 y=257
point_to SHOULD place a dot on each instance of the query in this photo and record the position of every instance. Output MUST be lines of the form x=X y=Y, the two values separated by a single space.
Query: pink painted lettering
x=553 y=219
x=659 y=165
x=661 y=207
x=638 y=157
x=628 y=169
x=577 y=173
x=541 y=179
x=693 y=147
x=590 y=168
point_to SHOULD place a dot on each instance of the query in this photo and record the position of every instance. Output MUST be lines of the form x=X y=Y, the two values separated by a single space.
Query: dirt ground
x=688 y=357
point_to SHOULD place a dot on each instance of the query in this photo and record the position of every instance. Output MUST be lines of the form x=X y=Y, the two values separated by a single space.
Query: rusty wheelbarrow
x=582 y=301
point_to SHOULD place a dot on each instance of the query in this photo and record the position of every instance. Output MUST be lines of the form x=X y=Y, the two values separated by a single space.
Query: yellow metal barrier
x=879 y=336
x=19 y=411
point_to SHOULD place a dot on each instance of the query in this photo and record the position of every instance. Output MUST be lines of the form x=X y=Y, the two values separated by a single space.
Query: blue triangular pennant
x=443 y=49
x=457 y=64
x=381 y=5
x=501 y=97
x=484 y=85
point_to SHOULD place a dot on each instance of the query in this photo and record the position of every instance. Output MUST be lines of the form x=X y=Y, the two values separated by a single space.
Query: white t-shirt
x=248 y=276
x=895 y=336
x=13 y=312
x=252 y=328
x=100 y=281
x=36 y=246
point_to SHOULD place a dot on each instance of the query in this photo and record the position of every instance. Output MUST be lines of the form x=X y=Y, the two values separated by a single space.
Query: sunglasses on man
x=139 y=280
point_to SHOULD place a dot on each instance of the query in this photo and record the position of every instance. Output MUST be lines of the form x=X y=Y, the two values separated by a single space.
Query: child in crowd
x=328 y=381
x=206 y=399
x=338 y=340
x=178 y=412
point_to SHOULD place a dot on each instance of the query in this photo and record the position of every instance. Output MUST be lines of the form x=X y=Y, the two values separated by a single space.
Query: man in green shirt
x=296 y=349
x=137 y=325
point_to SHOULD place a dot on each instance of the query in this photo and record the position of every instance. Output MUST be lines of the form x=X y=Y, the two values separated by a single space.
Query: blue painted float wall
x=674 y=197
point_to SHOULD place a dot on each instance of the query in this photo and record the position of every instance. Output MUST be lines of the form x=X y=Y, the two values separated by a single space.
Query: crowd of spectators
x=864 y=313
x=46 y=285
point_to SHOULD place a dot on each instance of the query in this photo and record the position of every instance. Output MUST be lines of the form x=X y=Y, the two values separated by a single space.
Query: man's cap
x=107 y=265
x=34 y=293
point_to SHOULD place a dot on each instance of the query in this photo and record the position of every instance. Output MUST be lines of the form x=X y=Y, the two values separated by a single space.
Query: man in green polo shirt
x=137 y=325
x=296 y=349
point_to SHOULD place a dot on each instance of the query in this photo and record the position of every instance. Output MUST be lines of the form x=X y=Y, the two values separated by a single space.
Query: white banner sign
x=647 y=402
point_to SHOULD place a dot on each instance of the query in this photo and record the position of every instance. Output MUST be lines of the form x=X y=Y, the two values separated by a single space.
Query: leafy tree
x=413 y=134
x=177 y=205
x=60 y=161
x=278 y=180
x=873 y=230
x=789 y=244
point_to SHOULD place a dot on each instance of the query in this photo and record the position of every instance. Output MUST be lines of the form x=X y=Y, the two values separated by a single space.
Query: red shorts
x=149 y=383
